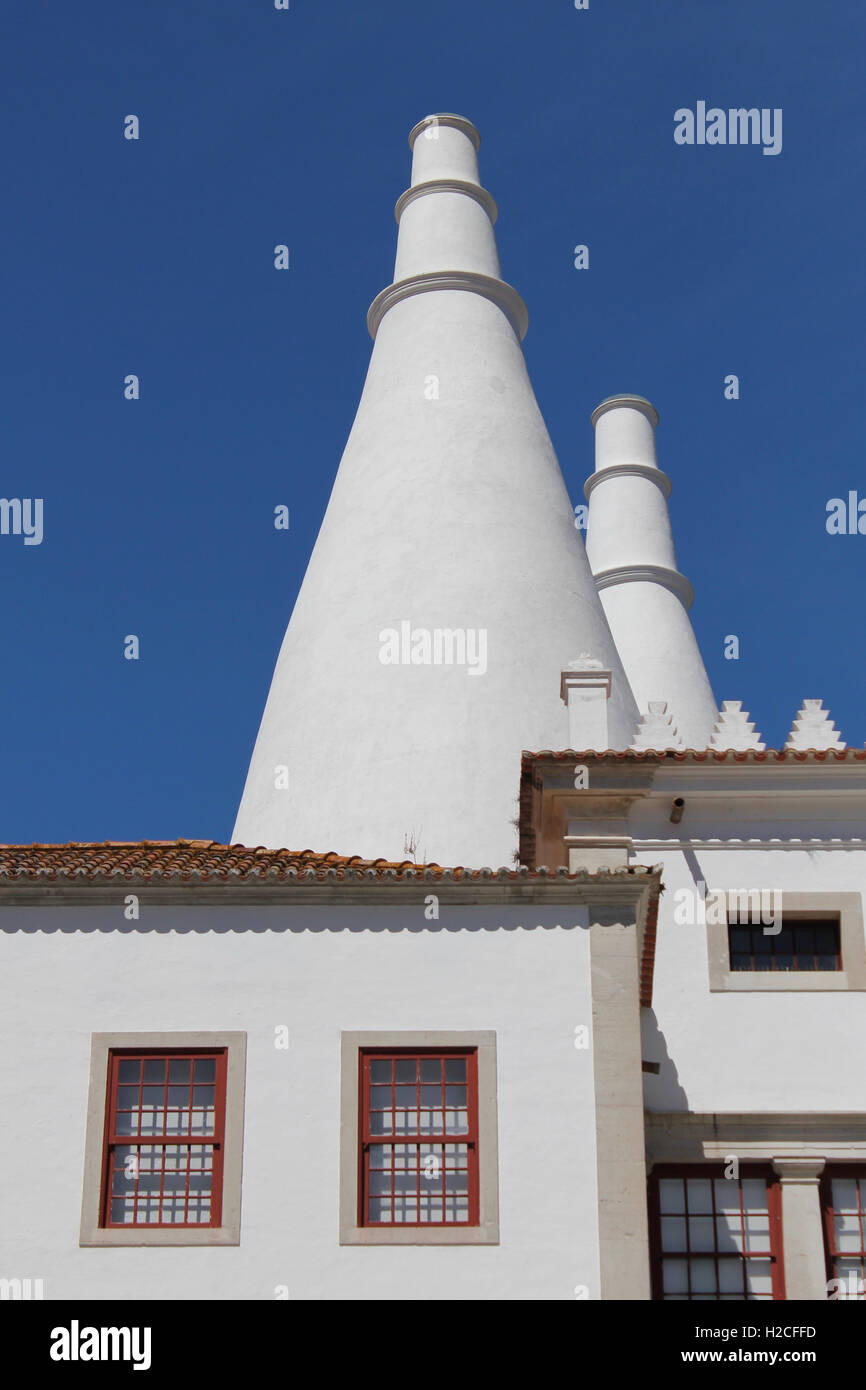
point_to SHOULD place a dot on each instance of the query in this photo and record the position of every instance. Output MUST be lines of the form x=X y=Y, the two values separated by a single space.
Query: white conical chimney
x=631 y=550
x=448 y=512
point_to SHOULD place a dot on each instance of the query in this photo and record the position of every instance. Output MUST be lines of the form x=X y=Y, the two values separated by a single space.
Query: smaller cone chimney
x=631 y=552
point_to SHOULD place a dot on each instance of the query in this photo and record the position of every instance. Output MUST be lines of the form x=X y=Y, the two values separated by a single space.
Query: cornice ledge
x=472 y=190
x=649 y=574
x=766 y=1136
x=501 y=294
x=624 y=470
x=447 y=118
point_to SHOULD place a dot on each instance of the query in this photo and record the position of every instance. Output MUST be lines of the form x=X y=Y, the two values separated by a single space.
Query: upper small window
x=419 y=1138
x=808 y=941
x=799 y=945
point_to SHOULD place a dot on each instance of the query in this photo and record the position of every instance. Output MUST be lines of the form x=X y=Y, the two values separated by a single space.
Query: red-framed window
x=715 y=1238
x=418 y=1137
x=843 y=1201
x=164 y=1138
x=799 y=945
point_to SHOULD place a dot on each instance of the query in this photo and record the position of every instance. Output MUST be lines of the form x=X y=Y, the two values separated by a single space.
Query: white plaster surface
x=319 y=971
x=774 y=1051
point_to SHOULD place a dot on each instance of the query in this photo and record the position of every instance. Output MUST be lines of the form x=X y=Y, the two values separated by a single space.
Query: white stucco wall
x=738 y=1051
x=318 y=971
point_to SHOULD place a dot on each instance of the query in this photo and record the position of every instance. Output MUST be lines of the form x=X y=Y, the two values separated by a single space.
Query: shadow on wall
x=662 y=1091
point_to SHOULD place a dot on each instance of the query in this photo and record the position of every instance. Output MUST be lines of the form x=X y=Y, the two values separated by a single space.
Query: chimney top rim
x=448 y=118
x=634 y=402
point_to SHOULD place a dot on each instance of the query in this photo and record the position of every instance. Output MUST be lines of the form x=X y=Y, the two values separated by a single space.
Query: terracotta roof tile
x=154 y=860
x=700 y=755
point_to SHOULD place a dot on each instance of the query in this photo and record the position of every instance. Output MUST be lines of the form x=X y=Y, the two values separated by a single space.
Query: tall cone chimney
x=630 y=547
x=448 y=588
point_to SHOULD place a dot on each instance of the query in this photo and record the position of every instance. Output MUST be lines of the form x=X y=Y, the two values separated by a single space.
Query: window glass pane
x=155 y=1070
x=672 y=1194
x=754 y=1194
x=726 y=1192
x=757 y=1232
x=380 y=1070
x=851 y=1274
x=675 y=1277
x=205 y=1070
x=700 y=1195
x=731 y=1277
x=844 y=1194
x=703 y=1276
x=759 y=1279
x=431 y=1069
x=702 y=1233
x=407 y=1069
x=128 y=1070
x=673 y=1233
x=729 y=1232
x=455 y=1069
x=178 y=1070
x=847 y=1228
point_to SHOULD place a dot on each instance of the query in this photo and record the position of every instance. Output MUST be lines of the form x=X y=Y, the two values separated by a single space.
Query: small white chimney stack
x=631 y=552
x=585 y=688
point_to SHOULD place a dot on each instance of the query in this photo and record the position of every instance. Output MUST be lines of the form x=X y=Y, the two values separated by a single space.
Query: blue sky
x=260 y=127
